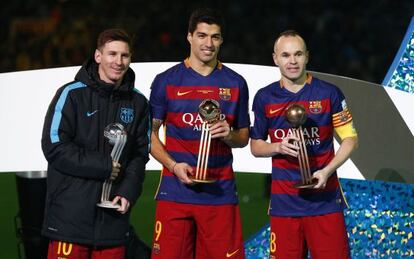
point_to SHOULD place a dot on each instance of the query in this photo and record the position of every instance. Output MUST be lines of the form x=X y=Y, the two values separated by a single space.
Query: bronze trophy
x=296 y=116
x=209 y=111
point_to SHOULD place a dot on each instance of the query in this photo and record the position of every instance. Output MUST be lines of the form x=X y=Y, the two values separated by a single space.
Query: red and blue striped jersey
x=326 y=110
x=175 y=97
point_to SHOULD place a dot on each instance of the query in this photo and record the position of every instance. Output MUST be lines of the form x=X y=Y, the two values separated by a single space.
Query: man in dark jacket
x=79 y=154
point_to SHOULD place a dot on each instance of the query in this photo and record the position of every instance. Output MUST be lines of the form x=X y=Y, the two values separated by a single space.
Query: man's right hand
x=286 y=146
x=182 y=170
x=116 y=168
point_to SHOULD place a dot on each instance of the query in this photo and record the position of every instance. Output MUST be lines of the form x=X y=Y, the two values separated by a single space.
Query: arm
x=348 y=145
x=261 y=148
x=181 y=170
x=344 y=128
x=233 y=138
x=237 y=138
x=58 y=144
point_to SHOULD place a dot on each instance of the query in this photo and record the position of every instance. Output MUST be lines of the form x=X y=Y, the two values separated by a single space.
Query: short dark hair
x=290 y=33
x=113 y=35
x=205 y=15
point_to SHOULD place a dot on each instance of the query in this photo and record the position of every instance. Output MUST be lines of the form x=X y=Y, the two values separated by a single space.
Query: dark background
x=352 y=38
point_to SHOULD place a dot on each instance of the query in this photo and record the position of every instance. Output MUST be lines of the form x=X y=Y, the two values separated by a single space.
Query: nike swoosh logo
x=89 y=114
x=183 y=93
x=231 y=254
x=274 y=111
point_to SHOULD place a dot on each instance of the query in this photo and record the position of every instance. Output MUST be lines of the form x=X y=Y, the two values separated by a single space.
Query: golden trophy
x=209 y=111
x=296 y=116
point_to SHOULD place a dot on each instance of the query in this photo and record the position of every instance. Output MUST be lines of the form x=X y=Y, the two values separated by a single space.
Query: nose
x=118 y=59
x=292 y=59
x=209 y=41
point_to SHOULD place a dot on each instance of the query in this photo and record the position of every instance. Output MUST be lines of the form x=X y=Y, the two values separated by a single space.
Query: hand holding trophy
x=117 y=136
x=209 y=111
x=296 y=116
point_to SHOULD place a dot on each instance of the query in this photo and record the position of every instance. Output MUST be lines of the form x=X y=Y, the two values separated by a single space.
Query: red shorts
x=63 y=250
x=197 y=231
x=324 y=236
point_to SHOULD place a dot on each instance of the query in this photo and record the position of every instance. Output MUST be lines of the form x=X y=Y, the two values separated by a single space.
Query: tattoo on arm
x=156 y=124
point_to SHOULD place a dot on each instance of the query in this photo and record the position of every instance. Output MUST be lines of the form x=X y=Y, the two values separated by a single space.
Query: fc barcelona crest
x=315 y=107
x=224 y=94
x=127 y=115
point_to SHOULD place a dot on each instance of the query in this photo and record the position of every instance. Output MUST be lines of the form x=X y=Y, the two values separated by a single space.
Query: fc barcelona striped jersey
x=175 y=97
x=326 y=110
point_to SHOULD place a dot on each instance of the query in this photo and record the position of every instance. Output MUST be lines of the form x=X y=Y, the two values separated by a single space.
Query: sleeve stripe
x=57 y=116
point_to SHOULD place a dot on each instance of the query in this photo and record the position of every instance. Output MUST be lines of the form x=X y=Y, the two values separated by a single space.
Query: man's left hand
x=220 y=129
x=124 y=204
x=322 y=179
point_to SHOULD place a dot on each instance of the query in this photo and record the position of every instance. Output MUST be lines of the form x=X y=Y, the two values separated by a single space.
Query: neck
x=294 y=85
x=200 y=67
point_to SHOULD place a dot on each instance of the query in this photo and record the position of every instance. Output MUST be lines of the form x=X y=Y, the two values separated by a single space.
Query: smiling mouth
x=207 y=50
x=293 y=69
x=116 y=70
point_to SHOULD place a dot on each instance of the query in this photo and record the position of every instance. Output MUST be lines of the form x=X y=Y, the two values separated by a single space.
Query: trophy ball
x=209 y=110
x=296 y=115
x=112 y=131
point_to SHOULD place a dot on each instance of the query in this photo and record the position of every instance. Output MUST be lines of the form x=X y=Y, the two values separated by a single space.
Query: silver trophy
x=117 y=136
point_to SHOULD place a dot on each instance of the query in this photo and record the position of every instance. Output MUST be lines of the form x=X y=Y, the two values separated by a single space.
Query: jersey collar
x=187 y=64
x=308 y=80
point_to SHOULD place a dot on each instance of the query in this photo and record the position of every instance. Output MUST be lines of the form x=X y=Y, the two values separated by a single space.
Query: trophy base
x=108 y=205
x=306 y=185
x=203 y=180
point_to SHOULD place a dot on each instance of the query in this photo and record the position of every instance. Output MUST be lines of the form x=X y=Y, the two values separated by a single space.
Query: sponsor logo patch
x=89 y=114
x=344 y=106
x=179 y=93
x=127 y=115
x=225 y=94
x=228 y=255
x=315 y=107
x=205 y=91
x=274 y=111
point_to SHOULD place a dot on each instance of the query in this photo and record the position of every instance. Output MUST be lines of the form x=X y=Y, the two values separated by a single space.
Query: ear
x=307 y=57
x=189 y=37
x=98 y=56
x=274 y=59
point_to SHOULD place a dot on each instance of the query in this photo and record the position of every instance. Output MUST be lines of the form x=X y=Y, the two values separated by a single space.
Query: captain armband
x=346 y=131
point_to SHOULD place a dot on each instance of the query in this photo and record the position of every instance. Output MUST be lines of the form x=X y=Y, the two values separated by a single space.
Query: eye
x=216 y=37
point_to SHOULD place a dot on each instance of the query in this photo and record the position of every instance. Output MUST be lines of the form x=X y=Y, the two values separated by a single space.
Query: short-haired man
x=79 y=155
x=303 y=219
x=198 y=220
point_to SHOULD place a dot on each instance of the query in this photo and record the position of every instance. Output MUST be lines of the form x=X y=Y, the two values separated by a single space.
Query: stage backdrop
x=26 y=95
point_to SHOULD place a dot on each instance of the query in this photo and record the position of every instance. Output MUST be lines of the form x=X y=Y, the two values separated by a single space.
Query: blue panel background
x=380 y=221
x=401 y=73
